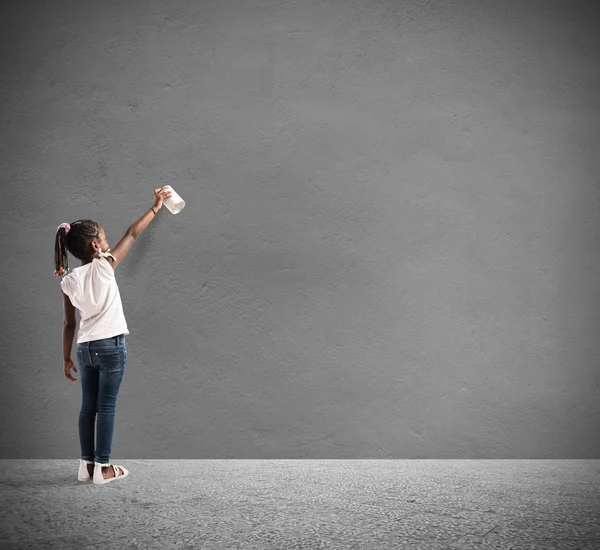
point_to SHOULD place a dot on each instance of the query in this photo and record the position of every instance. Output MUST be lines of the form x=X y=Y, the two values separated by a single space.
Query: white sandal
x=99 y=478
x=84 y=474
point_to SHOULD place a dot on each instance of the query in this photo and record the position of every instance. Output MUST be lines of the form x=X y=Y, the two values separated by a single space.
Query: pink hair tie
x=65 y=225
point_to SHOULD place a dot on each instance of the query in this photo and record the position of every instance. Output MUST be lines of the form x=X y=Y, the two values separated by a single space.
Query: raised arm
x=136 y=228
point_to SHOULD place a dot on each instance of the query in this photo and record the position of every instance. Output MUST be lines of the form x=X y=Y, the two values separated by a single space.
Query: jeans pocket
x=111 y=360
x=107 y=351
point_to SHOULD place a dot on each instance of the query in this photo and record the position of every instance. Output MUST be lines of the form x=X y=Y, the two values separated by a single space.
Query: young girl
x=101 y=348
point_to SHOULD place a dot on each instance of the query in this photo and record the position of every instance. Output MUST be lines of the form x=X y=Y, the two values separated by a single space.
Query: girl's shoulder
x=104 y=266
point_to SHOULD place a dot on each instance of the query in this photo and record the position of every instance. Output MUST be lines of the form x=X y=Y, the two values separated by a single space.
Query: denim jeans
x=101 y=365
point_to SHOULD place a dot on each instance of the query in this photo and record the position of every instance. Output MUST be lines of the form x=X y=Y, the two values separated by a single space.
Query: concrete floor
x=247 y=504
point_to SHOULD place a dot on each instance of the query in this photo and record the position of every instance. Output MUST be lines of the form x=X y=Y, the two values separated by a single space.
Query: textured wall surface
x=390 y=244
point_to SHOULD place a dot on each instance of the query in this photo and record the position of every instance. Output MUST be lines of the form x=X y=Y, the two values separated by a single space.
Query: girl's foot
x=106 y=471
x=109 y=471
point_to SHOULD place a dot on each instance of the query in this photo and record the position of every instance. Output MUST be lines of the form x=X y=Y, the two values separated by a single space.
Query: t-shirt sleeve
x=69 y=285
x=64 y=285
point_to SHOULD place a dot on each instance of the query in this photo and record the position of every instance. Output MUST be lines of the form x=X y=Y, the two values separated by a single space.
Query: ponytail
x=75 y=238
x=61 y=262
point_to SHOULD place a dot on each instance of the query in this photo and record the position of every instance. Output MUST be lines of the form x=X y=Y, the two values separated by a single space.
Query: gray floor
x=371 y=504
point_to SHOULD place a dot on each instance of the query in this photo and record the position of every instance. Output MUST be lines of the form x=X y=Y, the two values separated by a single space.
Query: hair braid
x=76 y=241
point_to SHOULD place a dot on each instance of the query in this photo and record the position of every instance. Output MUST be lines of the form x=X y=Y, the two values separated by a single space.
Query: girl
x=101 y=348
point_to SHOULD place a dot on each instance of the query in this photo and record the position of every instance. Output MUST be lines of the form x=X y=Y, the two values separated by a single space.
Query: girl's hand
x=159 y=196
x=68 y=366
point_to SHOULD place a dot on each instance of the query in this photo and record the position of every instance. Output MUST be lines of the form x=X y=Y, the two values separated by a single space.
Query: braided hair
x=76 y=241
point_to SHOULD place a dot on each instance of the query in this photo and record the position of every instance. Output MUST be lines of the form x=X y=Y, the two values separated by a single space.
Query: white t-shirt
x=93 y=290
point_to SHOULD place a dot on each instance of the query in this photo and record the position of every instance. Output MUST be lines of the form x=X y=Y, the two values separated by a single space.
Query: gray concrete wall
x=390 y=244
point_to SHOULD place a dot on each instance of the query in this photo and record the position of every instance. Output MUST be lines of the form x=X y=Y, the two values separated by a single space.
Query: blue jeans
x=101 y=365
